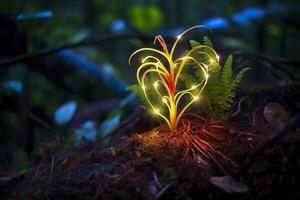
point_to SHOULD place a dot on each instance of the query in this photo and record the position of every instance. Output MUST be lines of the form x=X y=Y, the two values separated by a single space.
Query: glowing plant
x=166 y=71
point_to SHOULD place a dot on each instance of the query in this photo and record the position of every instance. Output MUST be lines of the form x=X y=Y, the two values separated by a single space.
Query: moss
x=169 y=175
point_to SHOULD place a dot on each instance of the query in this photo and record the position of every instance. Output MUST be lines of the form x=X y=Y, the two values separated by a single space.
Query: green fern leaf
x=219 y=92
x=188 y=79
x=226 y=76
x=204 y=54
x=207 y=42
x=239 y=77
x=194 y=43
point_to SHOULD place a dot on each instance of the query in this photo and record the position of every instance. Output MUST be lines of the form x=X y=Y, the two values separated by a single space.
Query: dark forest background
x=64 y=64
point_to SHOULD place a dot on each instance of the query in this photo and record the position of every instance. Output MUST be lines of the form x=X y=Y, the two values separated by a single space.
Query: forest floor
x=255 y=154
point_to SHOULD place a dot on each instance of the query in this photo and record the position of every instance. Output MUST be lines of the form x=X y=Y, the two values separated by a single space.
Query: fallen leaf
x=275 y=114
x=110 y=125
x=113 y=152
x=228 y=184
x=65 y=112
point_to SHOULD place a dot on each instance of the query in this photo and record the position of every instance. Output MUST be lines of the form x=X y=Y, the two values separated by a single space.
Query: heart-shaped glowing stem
x=165 y=86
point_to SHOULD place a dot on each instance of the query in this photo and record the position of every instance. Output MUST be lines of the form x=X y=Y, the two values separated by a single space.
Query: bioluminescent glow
x=167 y=70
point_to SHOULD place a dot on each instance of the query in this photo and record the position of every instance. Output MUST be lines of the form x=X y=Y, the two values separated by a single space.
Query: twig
x=48 y=51
x=291 y=125
x=51 y=169
x=156 y=180
x=254 y=116
x=239 y=108
x=39 y=120
x=162 y=191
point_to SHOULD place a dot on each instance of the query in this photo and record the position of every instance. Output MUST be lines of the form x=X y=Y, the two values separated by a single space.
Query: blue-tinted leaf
x=111 y=124
x=41 y=14
x=118 y=25
x=246 y=16
x=15 y=86
x=130 y=98
x=65 y=112
x=87 y=132
x=216 y=22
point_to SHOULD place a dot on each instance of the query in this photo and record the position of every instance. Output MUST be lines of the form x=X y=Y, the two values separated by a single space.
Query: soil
x=244 y=157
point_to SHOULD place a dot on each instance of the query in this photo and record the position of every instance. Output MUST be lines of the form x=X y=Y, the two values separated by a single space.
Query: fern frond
x=239 y=77
x=205 y=54
x=226 y=76
x=194 y=43
x=207 y=42
x=188 y=79
x=219 y=92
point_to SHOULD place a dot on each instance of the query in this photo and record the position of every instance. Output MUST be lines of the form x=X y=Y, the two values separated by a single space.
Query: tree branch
x=292 y=124
x=48 y=51
x=273 y=62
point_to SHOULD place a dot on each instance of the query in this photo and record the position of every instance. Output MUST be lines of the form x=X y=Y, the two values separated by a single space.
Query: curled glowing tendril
x=168 y=71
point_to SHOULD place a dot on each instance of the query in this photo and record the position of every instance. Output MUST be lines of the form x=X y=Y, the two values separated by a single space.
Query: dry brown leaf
x=275 y=114
x=228 y=184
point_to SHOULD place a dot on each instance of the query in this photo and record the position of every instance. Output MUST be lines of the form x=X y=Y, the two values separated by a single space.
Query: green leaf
x=220 y=90
x=188 y=79
x=239 y=77
x=207 y=42
x=113 y=112
x=194 y=43
x=138 y=90
x=227 y=71
x=205 y=54
x=146 y=19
